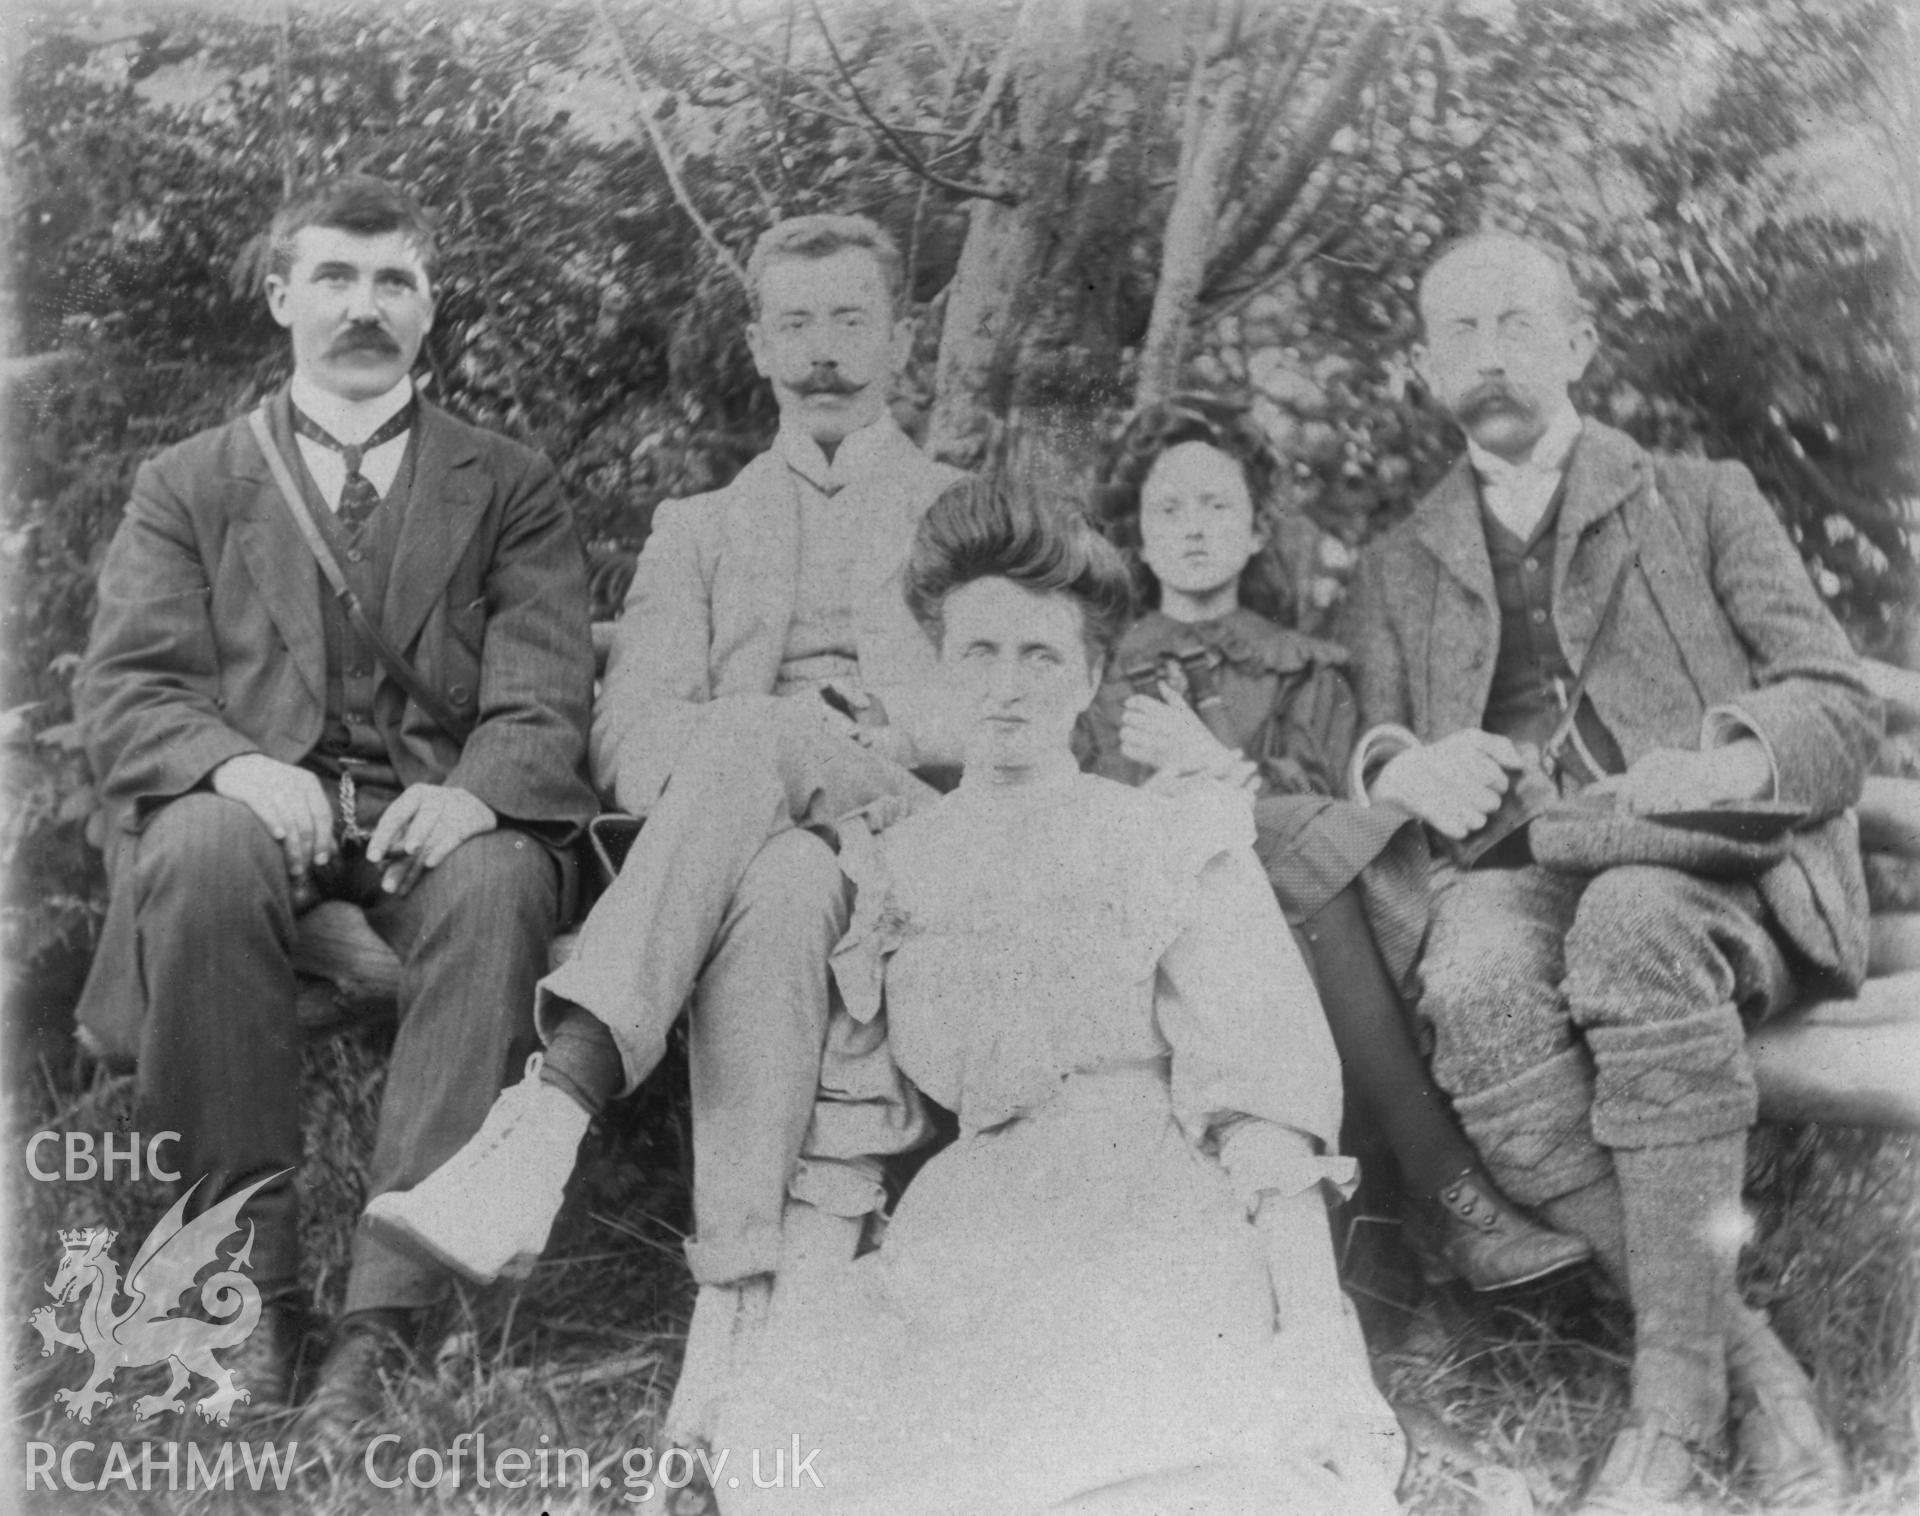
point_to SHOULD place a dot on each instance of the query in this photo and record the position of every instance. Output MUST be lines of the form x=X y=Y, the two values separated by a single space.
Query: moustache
x=1492 y=396
x=365 y=339
x=825 y=382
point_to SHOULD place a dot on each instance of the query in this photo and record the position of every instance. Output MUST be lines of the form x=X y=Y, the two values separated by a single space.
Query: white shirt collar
x=859 y=456
x=349 y=421
x=1549 y=454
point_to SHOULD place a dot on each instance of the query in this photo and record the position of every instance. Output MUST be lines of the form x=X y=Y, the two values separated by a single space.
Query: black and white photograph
x=961 y=757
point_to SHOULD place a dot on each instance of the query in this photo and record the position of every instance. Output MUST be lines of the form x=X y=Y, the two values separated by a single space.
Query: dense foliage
x=600 y=169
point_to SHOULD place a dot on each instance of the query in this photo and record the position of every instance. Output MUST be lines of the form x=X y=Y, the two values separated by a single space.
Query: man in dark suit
x=1591 y=1029
x=254 y=754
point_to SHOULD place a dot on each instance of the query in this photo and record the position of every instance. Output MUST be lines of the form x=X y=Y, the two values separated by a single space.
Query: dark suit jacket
x=1719 y=616
x=207 y=642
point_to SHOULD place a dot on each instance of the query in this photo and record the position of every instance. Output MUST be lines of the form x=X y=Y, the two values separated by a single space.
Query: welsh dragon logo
x=149 y=1331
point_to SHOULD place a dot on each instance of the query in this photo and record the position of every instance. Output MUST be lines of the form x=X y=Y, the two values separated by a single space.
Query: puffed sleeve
x=865 y=1109
x=1255 y=1075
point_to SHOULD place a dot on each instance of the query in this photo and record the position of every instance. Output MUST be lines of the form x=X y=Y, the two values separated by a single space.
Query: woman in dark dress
x=1212 y=682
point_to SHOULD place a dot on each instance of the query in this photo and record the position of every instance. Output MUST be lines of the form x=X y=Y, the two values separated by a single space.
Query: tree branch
x=1230 y=297
x=676 y=181
x=902 y=150
x=1263 y=115
x=1215 y=112
x=760 y=56
x=1348 y=80
x=283 y=94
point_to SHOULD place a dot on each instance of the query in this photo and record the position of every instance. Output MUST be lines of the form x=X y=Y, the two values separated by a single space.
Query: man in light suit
x=254 y=754
x=1591 y=1030
x=766 y=678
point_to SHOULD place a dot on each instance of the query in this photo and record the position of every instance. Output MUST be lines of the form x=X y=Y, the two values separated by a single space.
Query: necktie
x=359 y=500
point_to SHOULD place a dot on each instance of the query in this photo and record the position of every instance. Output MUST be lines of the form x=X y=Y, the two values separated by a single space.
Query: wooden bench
x=1853 y=1062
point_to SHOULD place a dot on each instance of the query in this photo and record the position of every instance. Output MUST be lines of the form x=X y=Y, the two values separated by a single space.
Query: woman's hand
x=1166 y=734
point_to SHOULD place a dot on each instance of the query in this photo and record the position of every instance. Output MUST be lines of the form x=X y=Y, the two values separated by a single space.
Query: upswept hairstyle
x=978 y=529
x=1266 y=584
x=356 y=203
x=822 y=237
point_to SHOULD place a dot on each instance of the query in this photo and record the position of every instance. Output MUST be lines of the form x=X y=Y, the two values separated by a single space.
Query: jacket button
x=458 y=694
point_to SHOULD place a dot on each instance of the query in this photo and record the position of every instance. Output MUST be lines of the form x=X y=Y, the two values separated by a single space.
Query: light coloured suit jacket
x=707 y=617
x=1719 y=631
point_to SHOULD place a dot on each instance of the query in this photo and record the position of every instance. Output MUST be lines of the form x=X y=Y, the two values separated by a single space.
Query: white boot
x=489 y=1209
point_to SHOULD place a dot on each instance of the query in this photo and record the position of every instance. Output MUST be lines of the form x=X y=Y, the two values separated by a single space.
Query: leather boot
x=1649 y=1467
x=372 y=1356
x=1493 y=1245
x=1782 y=1449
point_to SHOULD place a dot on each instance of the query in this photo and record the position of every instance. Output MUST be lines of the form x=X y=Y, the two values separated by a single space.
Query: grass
x=1509 y=1401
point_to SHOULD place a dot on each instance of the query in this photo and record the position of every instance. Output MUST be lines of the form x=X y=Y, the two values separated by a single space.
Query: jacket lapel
x=1462 y=633
x=448 y=498
x=1604 y=472
x=276 y=553
x=755 y=584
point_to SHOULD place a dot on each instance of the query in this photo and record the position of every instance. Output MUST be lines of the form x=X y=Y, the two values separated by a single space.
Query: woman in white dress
x=1114 y=1292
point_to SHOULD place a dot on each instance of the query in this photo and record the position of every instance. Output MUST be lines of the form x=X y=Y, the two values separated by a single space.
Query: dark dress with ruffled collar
x=1283 y=700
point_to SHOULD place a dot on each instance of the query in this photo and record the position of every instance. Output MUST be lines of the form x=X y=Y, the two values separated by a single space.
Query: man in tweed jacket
x=1591 y=1030
x=766 y=679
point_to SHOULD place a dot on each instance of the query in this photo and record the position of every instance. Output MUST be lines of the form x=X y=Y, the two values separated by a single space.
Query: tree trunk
x=1030 y=349
x=1211 y=145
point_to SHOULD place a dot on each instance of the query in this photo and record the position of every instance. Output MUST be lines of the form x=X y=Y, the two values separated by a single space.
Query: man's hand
x=1454 y=784
x=889 y=742
x=422 y=826
x=833 y=709
x=1669 y=779
x=852 y=713
x=1165 y=733
x=290 y=803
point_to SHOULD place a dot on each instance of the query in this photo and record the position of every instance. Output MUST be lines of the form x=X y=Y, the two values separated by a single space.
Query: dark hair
x=1266 y=584
x=980 y=529
x=822 y=237
x=357 y=203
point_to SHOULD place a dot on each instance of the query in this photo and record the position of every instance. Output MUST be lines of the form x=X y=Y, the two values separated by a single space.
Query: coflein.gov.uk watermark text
x=644 y=1474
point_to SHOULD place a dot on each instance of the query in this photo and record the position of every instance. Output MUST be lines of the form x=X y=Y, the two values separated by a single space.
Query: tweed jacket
x=706 y=619
x=1719 y=633
x=207 y=642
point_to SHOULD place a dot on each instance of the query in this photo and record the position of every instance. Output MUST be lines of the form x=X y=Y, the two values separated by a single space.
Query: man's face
x=827 y=340
x=357 y=307
x=1503 y=343
x=1019 y=661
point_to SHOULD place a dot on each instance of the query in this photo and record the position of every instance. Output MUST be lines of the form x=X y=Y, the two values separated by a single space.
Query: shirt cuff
x=1726 y=724
x=839 y=1187
x=1262 y=1157
x=1377 y=747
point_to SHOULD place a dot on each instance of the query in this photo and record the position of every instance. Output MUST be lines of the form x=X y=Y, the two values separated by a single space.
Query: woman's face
x=1019 y=662
x=1197 y=530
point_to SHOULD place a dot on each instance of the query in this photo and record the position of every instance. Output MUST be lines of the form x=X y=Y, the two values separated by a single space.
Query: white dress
x=1097 y=982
